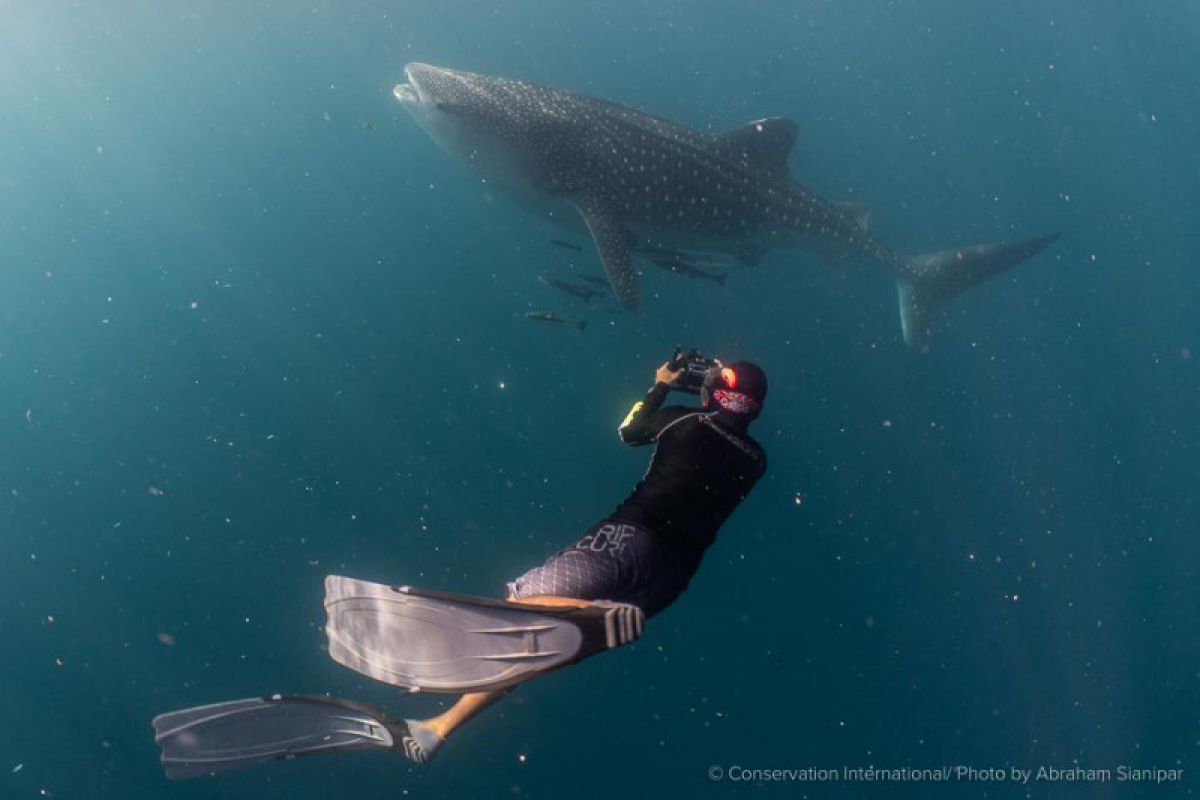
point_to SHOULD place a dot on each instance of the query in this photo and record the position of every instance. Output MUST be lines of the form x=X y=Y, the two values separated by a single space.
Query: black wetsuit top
x=703 y=466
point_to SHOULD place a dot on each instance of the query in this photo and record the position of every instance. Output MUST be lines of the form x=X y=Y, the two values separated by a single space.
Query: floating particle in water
x=18 y=768
x=798 y=499
x=155 y=491
x=165 y=639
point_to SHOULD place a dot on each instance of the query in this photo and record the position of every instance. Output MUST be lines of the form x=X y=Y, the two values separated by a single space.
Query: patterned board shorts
x=613 y=561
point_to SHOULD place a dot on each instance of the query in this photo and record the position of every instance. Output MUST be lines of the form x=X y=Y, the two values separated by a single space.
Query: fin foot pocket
x=417 y=741
x=623 y=623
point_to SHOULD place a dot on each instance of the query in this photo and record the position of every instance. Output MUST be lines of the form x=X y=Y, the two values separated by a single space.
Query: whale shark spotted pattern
x=642 y=184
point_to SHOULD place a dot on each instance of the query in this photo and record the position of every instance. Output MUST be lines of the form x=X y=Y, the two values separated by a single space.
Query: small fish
x=684 y=268
x=574 y=289
x=599 y=280
x=368 y=125
x=691 y=257
x=547 y=316
x=567 y=245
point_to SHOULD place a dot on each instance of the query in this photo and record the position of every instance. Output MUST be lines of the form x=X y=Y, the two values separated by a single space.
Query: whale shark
x=639 y=185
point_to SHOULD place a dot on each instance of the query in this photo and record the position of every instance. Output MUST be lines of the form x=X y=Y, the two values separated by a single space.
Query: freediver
x=645 y=553
x=589 y=596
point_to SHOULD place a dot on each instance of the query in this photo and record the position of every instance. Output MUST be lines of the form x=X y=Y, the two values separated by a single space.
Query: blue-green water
x=255 y=328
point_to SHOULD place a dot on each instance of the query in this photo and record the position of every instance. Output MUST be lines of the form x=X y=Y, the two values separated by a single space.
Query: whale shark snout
x=438 y=86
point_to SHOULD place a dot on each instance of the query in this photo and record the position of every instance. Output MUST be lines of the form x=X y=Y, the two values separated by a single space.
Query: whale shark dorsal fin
x=762 y=144
x=613 y=245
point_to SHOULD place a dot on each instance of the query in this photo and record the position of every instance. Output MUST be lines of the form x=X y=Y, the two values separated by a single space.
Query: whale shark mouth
x=406 y=93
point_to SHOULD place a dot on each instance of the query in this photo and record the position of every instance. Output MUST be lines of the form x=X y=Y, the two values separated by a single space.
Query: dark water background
x=247 y=339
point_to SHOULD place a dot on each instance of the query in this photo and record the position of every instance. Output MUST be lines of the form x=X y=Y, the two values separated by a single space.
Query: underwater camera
x=695 y=367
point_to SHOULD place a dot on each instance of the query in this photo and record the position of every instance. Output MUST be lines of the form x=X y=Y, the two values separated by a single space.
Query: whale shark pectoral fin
x=762 y=144
x=613 y=243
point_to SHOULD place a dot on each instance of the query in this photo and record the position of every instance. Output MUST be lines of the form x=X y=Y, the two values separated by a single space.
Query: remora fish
x=555 y=319
x=684 y=268
x=584 y=293
x=696 y=259
x=638 y=181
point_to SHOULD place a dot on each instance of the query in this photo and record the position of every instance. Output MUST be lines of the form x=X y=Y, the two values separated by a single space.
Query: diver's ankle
x=436 y=726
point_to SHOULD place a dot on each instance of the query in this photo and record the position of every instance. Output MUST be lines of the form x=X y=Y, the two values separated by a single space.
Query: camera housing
x=695 y=369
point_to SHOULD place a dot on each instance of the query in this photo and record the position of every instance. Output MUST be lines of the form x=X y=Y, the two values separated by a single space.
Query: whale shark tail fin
x=927 y=282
